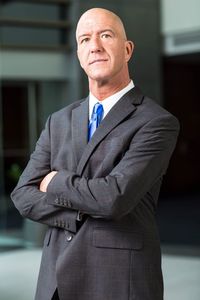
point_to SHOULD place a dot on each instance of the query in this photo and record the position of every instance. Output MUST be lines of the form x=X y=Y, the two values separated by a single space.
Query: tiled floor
x=19 y=270
x=181 y=276
x=18 y=274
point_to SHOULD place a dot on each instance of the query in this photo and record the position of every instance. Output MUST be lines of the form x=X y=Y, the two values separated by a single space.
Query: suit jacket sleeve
x=113 y=196
x=27 y=197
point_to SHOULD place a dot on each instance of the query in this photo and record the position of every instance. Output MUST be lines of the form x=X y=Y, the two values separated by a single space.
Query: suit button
x=57 y=201
x=69 y=238
x=69 y=204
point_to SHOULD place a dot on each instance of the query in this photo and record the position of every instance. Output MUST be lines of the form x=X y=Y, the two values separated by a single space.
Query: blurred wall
x=180 y=15
x=180 y=26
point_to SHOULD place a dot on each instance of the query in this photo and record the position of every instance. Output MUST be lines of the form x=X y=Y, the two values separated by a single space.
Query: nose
x=95 y=45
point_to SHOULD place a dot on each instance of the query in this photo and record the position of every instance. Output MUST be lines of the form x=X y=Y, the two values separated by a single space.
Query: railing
x=61 y=26
x=39 y=1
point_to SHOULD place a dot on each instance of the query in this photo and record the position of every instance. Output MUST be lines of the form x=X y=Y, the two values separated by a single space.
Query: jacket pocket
x=111 y=238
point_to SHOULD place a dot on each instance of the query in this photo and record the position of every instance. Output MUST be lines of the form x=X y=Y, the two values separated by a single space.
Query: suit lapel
x=125 y=106
x=80 y=129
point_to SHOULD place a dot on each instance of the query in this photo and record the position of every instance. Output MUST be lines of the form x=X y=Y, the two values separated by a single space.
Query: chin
x=99 y=76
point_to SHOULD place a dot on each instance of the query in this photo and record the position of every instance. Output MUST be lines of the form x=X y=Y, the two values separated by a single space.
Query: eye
x=84 y=40
x=106 y=36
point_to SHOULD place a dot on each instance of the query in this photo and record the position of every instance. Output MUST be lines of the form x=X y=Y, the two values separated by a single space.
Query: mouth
x=97 y=61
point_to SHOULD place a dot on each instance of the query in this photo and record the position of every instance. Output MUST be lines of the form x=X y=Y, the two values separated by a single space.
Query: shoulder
x=148 y=109
x=157 y=113
x=67 y=109
x=64 y=115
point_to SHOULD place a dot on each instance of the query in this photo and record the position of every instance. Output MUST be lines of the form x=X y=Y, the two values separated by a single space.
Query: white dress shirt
x=109 y=102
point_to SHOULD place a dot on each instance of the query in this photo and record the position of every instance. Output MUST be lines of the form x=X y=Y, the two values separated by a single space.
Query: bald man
x=95 y=175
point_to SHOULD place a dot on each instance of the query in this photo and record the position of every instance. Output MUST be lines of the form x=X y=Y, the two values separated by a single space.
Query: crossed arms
x=44 y=195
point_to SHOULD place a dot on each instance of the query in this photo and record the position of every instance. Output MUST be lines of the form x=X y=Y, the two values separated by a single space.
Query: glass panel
x=24 y=107
x=15 y=150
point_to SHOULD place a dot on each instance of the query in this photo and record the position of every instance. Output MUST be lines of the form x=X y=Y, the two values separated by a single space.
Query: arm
x=115 y=195
x=32 y=202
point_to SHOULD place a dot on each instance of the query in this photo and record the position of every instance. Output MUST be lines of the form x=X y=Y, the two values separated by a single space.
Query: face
x=103 y=50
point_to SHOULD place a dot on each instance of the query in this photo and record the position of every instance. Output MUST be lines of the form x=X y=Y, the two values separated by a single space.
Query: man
x=97 y=188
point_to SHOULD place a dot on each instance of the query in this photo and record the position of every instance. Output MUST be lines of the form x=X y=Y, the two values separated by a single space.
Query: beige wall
x=180 y=16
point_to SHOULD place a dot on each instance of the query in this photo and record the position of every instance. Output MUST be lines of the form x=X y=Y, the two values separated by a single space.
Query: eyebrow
x=105 y=30
x=99 y=32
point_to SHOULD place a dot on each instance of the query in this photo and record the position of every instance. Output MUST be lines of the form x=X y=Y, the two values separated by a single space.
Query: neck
x=104 y=89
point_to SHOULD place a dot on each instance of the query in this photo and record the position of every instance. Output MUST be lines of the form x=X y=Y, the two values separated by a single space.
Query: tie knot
x=98 y=108
x=97 y=115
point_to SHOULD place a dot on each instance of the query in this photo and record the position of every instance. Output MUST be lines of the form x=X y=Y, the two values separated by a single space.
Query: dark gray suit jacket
x=115 y=181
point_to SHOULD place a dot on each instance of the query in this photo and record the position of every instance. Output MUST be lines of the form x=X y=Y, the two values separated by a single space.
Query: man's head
x=103 y=49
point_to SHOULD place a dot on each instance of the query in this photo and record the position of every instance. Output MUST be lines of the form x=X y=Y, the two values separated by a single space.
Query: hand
x=46 y=180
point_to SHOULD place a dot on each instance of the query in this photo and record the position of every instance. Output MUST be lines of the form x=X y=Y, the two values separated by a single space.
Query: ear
x=129 y=47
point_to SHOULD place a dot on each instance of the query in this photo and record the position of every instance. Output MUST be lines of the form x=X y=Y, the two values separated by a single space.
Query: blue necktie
x=97 y=115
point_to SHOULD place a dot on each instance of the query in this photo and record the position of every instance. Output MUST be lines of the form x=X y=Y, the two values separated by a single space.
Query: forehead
x=96 y=23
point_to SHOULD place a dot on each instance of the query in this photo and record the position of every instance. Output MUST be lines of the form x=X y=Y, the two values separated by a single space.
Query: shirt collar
x=109 y=102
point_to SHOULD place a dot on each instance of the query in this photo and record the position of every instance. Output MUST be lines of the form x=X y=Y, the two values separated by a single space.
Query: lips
x=97 y=61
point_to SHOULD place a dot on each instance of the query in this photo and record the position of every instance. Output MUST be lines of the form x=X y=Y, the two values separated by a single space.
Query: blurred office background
x=39 y=73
